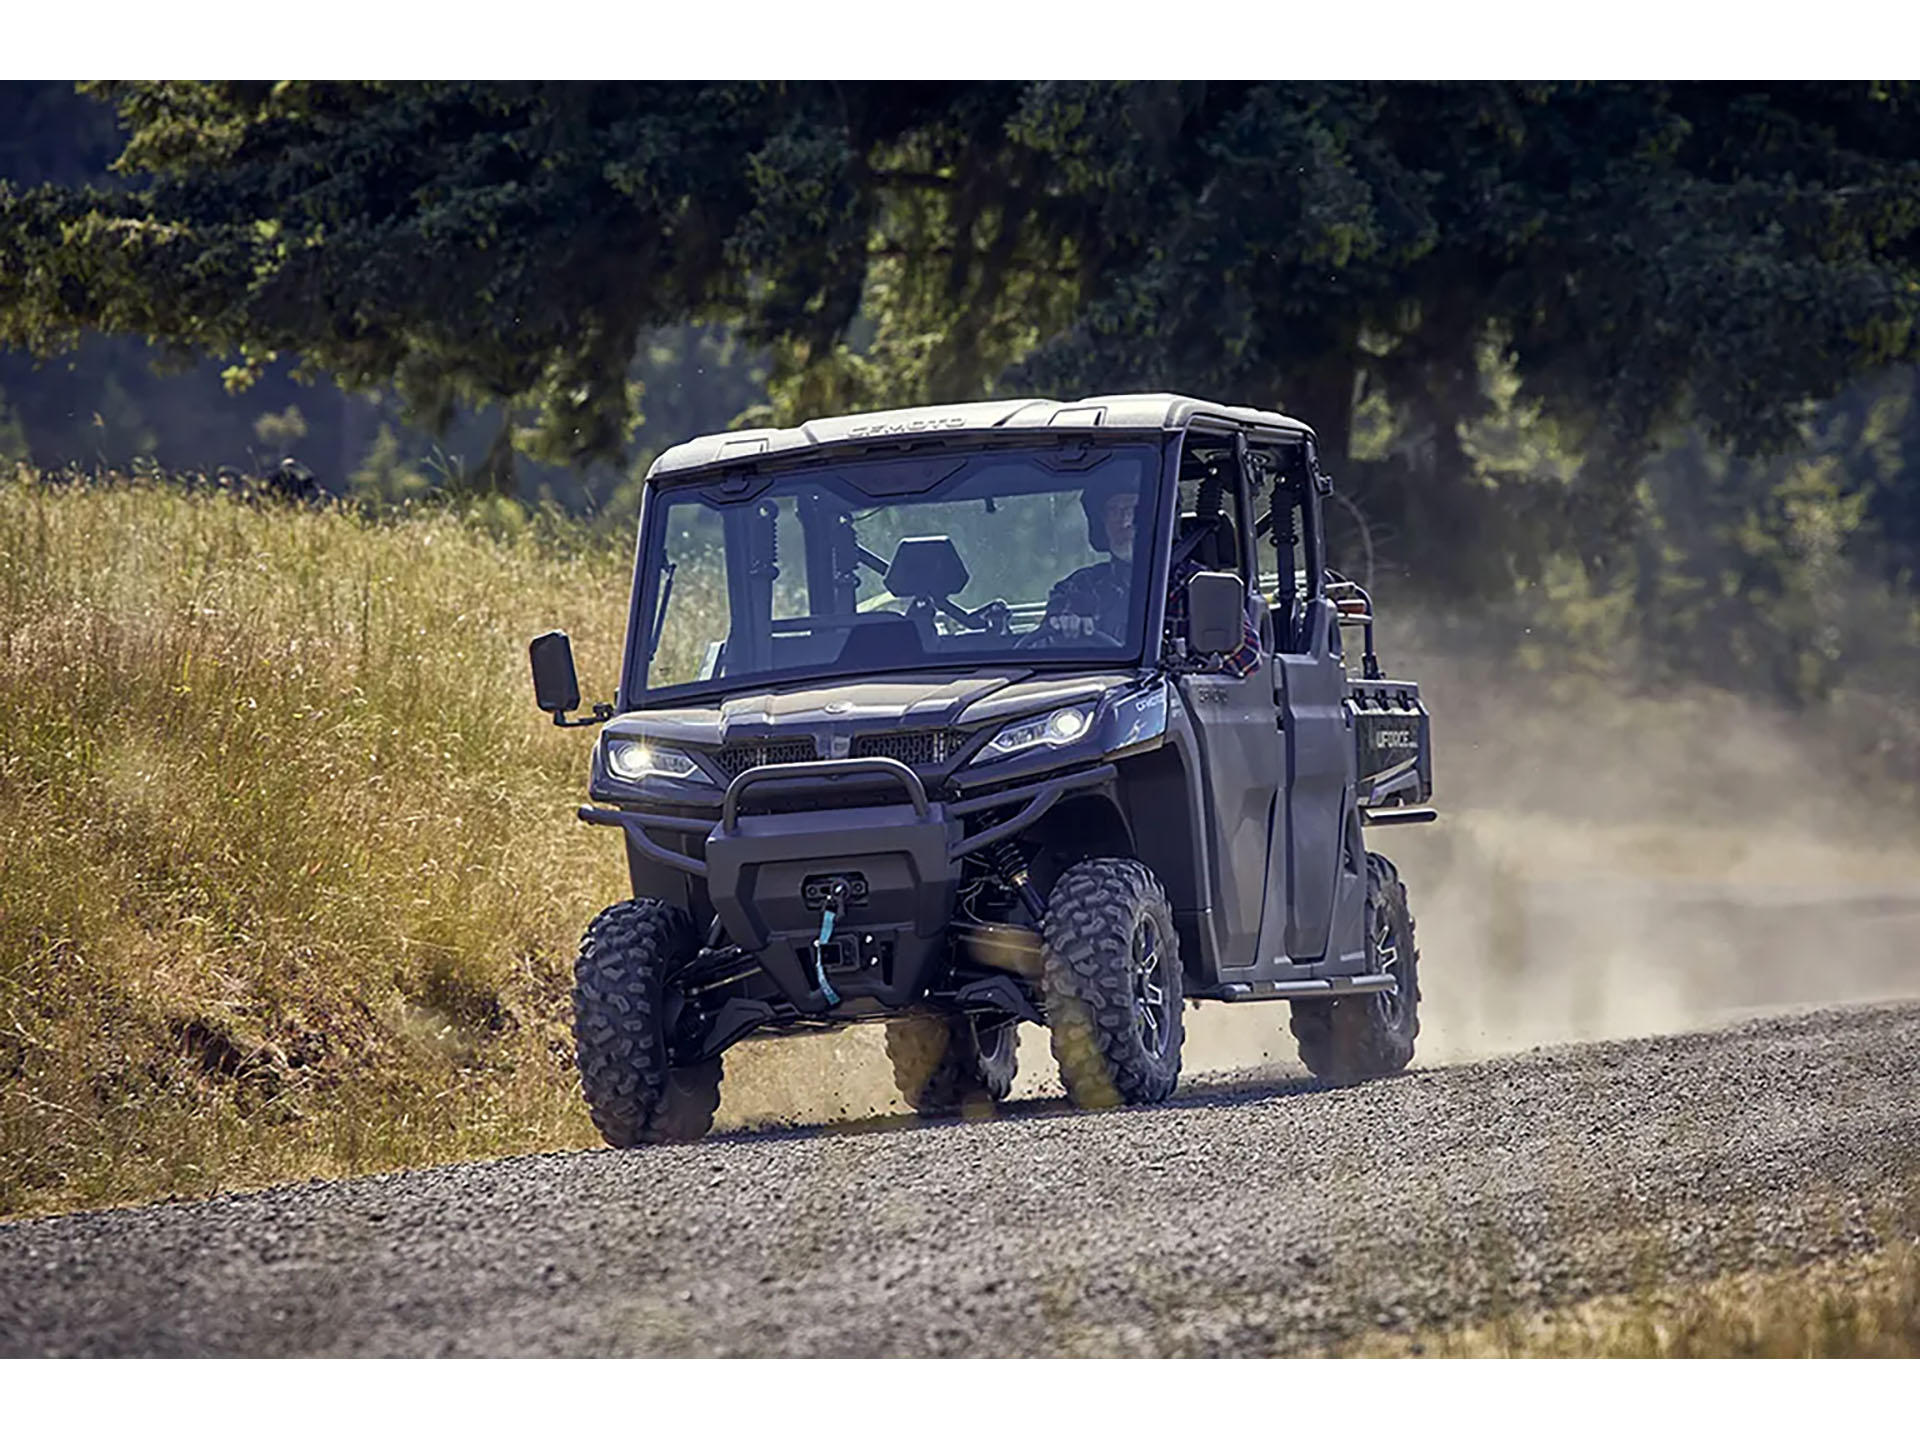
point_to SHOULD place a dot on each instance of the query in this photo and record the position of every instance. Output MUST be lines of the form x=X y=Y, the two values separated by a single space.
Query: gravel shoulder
x=1253 y=1215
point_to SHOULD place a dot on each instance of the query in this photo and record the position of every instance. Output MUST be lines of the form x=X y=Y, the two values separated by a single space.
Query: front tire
x=621 y=995
x=945 y=1064
x=1112 y=982
x=1361 y=1037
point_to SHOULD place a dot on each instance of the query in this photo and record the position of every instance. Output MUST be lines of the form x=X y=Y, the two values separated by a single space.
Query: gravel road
x=1253 y=1215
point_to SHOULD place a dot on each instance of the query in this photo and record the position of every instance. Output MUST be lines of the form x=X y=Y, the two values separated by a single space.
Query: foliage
x=1640 y=255
x=104 y=403
x=961 y=278
x=287 y=878
x=116 y=399
x=386 y=477
x=465 y=243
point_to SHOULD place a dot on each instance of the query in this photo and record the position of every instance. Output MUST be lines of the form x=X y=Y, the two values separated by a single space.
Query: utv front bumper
x=790 y=839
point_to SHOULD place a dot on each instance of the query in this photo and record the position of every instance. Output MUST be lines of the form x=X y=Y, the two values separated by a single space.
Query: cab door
x=1311 y=690
x=1319 y=861
x=1232 y=716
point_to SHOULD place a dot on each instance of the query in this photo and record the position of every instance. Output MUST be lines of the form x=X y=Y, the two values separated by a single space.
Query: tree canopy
x=1629 y=256
x=476 y=243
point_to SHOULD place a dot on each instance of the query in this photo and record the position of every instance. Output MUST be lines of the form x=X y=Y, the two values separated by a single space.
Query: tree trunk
x=494 y=475
x=356 y=431
x=1323 y=397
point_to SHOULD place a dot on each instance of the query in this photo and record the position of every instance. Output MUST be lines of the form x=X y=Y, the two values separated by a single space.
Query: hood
x=921 y=702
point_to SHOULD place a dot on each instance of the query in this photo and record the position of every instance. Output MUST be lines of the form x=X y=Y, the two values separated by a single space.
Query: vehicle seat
x=1219 y=544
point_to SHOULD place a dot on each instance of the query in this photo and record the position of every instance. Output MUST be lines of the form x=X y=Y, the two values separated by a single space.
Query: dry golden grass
x=1867 y=1306
x=288 y=880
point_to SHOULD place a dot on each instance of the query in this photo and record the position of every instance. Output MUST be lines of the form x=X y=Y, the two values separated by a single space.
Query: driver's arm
x=1244 y=659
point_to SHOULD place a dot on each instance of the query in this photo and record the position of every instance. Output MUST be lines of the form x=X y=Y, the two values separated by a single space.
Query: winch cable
x=829 y=909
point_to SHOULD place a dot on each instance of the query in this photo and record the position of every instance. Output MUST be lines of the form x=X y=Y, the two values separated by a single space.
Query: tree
x=467 y=244
x=1635 y=255
x=1643 y=254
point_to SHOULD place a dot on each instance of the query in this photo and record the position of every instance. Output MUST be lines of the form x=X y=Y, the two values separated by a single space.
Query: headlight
x=637 y=760
x=1062 y=727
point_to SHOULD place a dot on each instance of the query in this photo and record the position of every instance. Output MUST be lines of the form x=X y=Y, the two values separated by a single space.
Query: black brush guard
x=892 y=868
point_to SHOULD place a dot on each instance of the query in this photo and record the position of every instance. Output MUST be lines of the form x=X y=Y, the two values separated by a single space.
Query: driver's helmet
x=1094 y=499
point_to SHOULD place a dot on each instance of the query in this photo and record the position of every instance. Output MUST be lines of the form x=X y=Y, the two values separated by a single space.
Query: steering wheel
x=1044 y=634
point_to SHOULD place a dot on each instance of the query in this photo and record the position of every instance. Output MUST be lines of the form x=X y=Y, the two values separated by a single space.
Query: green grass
x=289 y=882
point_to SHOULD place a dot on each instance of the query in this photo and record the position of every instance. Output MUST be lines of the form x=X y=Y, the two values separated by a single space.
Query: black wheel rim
x=993 y=1039
x=1390 y=1005
x=1152 y=994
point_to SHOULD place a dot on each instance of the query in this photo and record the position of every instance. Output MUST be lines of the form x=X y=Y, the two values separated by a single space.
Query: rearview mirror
x=556 y=688
x=1216 y=610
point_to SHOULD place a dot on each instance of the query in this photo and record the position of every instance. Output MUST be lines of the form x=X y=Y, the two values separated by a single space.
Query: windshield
x=1007 y=556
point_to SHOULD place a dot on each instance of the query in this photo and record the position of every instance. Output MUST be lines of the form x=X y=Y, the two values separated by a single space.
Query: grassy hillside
x=289 y=883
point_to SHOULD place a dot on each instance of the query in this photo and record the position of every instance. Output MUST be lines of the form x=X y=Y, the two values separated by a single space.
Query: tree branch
x=913 y=179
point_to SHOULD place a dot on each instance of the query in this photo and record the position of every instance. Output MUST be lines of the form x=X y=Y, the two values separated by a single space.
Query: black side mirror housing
x=1216 y=611
x=556 y=686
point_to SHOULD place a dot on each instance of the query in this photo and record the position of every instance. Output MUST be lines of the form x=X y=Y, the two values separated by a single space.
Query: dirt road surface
x=1255 y=1214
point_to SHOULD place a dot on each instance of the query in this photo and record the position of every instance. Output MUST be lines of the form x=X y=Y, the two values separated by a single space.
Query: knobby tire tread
x=1088 y=982
x=1346 y=1040
x=633 y=1092
x=939 y=1068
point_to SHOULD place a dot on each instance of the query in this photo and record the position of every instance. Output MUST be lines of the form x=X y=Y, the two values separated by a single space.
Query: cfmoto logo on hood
x=908 y=427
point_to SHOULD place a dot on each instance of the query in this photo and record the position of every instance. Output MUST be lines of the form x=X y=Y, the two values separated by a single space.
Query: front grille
x=911 y=747
x=735 y=760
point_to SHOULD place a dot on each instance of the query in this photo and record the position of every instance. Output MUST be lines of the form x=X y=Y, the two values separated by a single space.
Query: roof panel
x=1097 y=412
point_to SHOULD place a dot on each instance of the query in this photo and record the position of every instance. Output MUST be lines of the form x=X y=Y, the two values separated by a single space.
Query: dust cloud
x=1611 y=864
x=1606 y=865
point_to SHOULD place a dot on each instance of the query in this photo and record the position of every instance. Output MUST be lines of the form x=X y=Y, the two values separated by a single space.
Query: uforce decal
x=1392 y=737
x=908 y=427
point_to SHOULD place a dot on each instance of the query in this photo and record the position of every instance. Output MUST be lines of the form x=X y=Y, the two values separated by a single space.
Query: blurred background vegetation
x=1626 y=369
x=1620 y=385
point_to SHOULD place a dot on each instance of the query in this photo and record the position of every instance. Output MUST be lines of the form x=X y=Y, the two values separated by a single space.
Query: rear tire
x=621 y=996
x=1360 y=1037
x=945 y=1064
x=1112 y=981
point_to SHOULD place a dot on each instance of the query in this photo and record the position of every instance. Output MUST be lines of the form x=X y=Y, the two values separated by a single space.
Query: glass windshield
x=949 y=559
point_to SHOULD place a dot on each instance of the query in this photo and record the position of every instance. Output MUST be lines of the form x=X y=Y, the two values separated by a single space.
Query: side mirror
x=1216 y=611
x=556 y=688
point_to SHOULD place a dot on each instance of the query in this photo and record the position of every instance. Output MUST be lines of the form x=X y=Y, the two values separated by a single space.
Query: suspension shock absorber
x=1011 y=868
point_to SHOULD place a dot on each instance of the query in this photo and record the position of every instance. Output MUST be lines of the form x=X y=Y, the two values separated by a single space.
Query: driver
x=1092 y=601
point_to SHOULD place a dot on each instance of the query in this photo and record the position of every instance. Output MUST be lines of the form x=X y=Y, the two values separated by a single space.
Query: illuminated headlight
x=637 y=760
x=1062 y=727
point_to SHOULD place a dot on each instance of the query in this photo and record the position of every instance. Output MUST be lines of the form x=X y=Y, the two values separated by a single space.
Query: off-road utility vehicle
x=961 y=716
